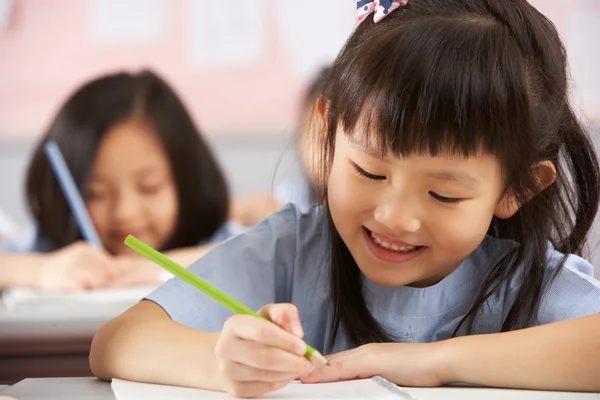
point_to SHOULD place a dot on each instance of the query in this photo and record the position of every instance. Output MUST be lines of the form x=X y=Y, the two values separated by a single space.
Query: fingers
x=253 y=329
x=285 y=315
x=356 y=363
x=257 y=356
x=244 y=373
x=267 y=358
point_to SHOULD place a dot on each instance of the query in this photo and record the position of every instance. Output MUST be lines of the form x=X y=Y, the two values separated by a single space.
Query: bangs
x=431 y=86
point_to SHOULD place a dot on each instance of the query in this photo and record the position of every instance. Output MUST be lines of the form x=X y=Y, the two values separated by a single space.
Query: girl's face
x=131 y=190
x=411 y=221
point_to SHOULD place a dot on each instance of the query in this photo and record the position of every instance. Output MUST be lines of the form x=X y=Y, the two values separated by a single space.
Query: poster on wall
x=127 y=22
x=225 y=34
x=581 y=35
x=313 y=32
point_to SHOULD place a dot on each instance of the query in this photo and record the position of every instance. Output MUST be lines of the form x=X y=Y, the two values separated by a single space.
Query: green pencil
x=205 y=287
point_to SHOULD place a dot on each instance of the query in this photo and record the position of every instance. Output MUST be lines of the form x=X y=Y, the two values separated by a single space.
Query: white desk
x=49 y=335
x=93 y=389
x=49 y=343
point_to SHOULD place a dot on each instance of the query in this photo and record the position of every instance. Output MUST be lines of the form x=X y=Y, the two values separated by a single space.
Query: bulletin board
x=240 y=66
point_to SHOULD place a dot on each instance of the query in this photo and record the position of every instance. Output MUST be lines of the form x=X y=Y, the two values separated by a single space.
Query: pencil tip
x=319 y=360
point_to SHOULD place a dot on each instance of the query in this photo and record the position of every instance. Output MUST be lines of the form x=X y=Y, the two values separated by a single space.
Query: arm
x=559 y=356
x=20 y=270
x=126 y=347
x=76 y=267
x=138 y=270
x=562 y=356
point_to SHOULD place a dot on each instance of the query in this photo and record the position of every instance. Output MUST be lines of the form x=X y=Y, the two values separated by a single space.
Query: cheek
x=165 y=210
x=99 y=214
x=349 y=197
x=462 y=229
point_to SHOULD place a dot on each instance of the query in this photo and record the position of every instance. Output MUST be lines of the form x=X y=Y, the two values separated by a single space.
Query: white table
x=94 y=389
x=49 y=343
x=49 y=335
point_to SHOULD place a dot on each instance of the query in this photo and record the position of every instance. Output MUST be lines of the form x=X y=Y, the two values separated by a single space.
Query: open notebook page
x=24 y=299
x=350 y=390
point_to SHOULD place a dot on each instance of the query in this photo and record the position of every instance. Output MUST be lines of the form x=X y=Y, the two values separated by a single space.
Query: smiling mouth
x=388 y=246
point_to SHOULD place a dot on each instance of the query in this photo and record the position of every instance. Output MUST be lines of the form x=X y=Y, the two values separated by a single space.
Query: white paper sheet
x=351 y=390
x=581 y=37
x=22 y=299
x=225 y=34
x=314 y=31
x=127 y=21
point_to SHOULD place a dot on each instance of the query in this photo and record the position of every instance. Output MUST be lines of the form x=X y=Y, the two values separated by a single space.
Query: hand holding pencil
x=257 y=356
x=256 y=352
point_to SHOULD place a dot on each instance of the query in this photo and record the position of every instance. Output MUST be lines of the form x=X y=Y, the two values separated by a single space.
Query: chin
x=385 y=278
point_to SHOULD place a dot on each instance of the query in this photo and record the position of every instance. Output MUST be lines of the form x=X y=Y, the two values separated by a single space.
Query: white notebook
x=375 y=388
x=23 y=299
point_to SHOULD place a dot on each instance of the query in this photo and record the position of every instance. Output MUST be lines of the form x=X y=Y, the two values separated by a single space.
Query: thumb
x=285 y=315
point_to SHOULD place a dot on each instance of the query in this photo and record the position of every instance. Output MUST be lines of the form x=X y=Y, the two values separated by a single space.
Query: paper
x=127 y=21
x=6 y=11
x=314 y=31
x=22 y=299
x=351 y=390
x=581 y=33
x=226 y=34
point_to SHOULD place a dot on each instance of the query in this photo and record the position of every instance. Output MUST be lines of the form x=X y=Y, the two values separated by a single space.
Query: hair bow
x=380 y=8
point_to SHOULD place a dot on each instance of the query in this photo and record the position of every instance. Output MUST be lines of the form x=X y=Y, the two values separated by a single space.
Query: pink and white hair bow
x=380 y=8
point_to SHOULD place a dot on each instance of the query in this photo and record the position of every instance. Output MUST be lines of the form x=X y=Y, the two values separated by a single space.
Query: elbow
x=102 y=355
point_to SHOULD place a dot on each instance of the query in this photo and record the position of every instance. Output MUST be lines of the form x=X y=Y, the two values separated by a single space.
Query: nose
x=125 y=207
x=398 y=215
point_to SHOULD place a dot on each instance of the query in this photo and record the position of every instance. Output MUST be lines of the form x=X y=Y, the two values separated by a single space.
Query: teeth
x=392 y=247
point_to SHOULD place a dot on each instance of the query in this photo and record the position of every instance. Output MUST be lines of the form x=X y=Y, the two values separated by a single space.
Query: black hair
x=81 y=124
x=462 y=76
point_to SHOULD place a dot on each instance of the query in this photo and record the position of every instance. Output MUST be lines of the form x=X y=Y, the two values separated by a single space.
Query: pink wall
x=46 y=51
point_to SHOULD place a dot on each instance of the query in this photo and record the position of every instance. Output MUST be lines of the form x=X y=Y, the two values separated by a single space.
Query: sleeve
x=571 y=293
x=255 y=268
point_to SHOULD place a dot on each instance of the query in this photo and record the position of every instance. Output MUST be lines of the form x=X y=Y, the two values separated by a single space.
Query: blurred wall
x=239 y=66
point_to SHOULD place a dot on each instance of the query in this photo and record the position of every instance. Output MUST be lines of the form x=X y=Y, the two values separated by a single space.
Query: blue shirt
x=286 y=259
x=34 y=241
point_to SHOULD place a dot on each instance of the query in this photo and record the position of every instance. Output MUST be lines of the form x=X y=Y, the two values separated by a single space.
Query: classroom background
x=240 y=67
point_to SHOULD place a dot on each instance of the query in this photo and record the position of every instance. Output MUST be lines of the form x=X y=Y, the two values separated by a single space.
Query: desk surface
x=49 y=343
x=58 y=324
x=93 y=389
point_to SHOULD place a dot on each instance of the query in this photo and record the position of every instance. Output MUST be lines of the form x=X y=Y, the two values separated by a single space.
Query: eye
x=94 y=195
x=367 y=175
x=446 y=200
x=150 y=189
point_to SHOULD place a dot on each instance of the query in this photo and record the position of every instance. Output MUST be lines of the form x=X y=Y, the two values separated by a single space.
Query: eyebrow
x=361 y=146
x=461 y=177
x=142 y=173
x=456 y=176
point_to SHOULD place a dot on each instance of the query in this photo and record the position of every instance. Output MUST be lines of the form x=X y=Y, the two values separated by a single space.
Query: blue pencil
x=65 y=179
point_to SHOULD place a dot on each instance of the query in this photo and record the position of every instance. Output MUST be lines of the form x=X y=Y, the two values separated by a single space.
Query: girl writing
x=460 y=189
x=142 y=168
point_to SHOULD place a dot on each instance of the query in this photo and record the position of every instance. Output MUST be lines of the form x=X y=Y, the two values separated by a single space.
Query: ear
x=544 y=174
x=320 y=106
